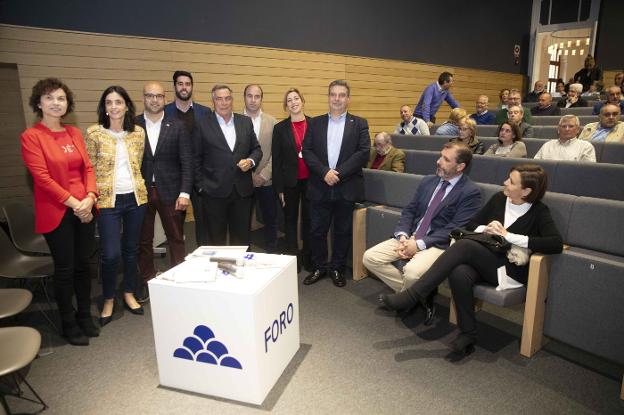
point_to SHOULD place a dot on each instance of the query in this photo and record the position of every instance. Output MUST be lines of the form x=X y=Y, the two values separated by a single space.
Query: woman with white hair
x=574 y=98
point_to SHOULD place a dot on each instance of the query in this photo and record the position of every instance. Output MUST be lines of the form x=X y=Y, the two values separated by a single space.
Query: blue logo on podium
x=203 y=347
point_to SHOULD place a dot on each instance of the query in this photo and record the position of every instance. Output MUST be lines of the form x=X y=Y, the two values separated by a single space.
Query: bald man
x=168 y=174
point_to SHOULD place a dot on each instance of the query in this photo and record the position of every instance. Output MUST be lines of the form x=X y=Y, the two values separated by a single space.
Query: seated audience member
x=514 y=99
x=567 y=146
x=594 y=91
x=509 y=142
x=467 y=135
x=573 y=98
x=618 y=80
x=516 y=115
x=422 y=233
x=560 y=91
x=451 y=126
x=609 y=128
x=589 y=73
x=516 y=214
x=534 y=95
x=614 y=96
x=544 y=106
x=503 y=96
x=384 y=156
x=483 y=116
x=410 y=124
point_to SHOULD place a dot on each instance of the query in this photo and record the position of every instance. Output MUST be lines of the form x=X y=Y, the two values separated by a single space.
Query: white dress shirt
x=335 y=131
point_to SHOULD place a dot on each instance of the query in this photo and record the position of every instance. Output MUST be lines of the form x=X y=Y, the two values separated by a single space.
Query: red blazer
x=50 y=172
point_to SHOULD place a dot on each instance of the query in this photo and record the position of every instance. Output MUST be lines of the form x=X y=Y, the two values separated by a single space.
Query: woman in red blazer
x=65 y=193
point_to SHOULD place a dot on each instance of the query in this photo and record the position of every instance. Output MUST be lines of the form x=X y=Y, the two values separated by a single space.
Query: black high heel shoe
x=105 y=320
x=139 y=311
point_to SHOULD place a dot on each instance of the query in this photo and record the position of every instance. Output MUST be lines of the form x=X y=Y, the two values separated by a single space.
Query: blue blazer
x=455 y=211
x=200 y=110
x=353 y=156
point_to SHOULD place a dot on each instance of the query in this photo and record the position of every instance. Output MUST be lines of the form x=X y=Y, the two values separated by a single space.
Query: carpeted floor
x=354 y=359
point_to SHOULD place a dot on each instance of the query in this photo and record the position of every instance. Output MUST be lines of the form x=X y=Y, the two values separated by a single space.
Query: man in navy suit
x=187 y=112
x=226 y=151
x=335 y=148
x=167 y=169
x=442 y=202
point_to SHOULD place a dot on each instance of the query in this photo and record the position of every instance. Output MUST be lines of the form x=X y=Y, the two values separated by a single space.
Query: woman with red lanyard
x=290 y=173
x=65 y=192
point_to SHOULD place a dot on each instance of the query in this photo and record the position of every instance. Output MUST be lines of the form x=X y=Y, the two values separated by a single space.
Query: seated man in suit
x=384 y=156
x=443 y=202
x=516 y=116
x=167 y=169
x=335 y=148
x=573 y=99
x=226 y=150
x=544 y=106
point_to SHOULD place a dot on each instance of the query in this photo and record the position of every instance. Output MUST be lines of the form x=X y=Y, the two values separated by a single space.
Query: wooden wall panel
x=90 y=62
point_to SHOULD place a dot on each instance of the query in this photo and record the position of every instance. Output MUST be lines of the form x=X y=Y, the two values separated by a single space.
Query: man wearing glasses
x=609 y=129
x=167 y=169
x=226 y=150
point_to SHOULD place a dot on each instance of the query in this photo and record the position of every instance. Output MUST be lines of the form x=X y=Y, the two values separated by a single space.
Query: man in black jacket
x=167 y=169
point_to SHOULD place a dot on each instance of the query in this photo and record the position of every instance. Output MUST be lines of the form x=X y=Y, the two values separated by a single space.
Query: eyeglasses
x=152 y=96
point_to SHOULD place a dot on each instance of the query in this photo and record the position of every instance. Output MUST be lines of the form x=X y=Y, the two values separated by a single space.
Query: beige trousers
x=379 y=258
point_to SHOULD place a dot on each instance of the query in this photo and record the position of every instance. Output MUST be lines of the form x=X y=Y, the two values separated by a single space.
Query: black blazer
x=216 y=170
x=537 y=224
x=171 y=163
x=353 y=156
x=284 y=157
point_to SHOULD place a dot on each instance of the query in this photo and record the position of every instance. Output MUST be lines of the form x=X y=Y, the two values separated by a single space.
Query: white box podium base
x=231 y=338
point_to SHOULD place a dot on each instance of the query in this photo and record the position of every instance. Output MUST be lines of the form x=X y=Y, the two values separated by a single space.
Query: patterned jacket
x=101 y=147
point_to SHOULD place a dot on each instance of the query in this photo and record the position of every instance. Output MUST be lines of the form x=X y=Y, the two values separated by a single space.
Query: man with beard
x=443 y=202
x=167 y=169
x=188 y=112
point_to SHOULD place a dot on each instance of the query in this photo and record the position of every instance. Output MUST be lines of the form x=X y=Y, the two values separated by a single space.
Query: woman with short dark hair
x=65 y=192
x=116 y=147
x=517 y=215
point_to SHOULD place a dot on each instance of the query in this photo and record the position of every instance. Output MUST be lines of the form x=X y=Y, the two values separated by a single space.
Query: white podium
x=230 y=338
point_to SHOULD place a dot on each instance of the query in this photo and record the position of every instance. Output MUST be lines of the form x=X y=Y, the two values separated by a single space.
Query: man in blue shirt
x=432 y=98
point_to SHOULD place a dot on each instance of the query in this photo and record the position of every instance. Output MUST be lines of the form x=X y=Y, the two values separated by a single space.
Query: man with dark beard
x=188 y=112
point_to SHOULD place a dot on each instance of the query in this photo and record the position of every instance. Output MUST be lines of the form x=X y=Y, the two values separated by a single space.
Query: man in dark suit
x=167 y=169
x=226 y=151
x=335 y=148
x=188 y=111
x=442 y=202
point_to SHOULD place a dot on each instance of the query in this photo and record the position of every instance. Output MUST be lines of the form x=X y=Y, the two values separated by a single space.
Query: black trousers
x=465 y=263
x=292 y=197
x=71 y=244
x=201 y=227
x=231 y=213
x=322 y=212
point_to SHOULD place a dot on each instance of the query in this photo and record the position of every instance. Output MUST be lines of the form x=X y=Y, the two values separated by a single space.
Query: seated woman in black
x=521 y=218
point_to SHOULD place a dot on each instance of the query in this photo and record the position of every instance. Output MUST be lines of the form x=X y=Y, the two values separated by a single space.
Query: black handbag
x=494 y=243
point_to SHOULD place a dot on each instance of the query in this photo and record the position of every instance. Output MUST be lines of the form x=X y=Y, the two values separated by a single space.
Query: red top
x=50 y=169
x=74 y=163
x=377 y=162
x=299 y=130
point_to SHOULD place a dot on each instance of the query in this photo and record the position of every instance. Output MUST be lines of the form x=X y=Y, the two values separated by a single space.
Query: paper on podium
x=208 y=251
x=195 y=271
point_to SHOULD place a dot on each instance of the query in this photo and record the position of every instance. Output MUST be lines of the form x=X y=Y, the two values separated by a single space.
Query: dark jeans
x=267 y=200
x=292 y=198
x=321 y=214
x=231 y=213
x=464 y=264
x=173 y=224
x=126 y=213
x=71 y=244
